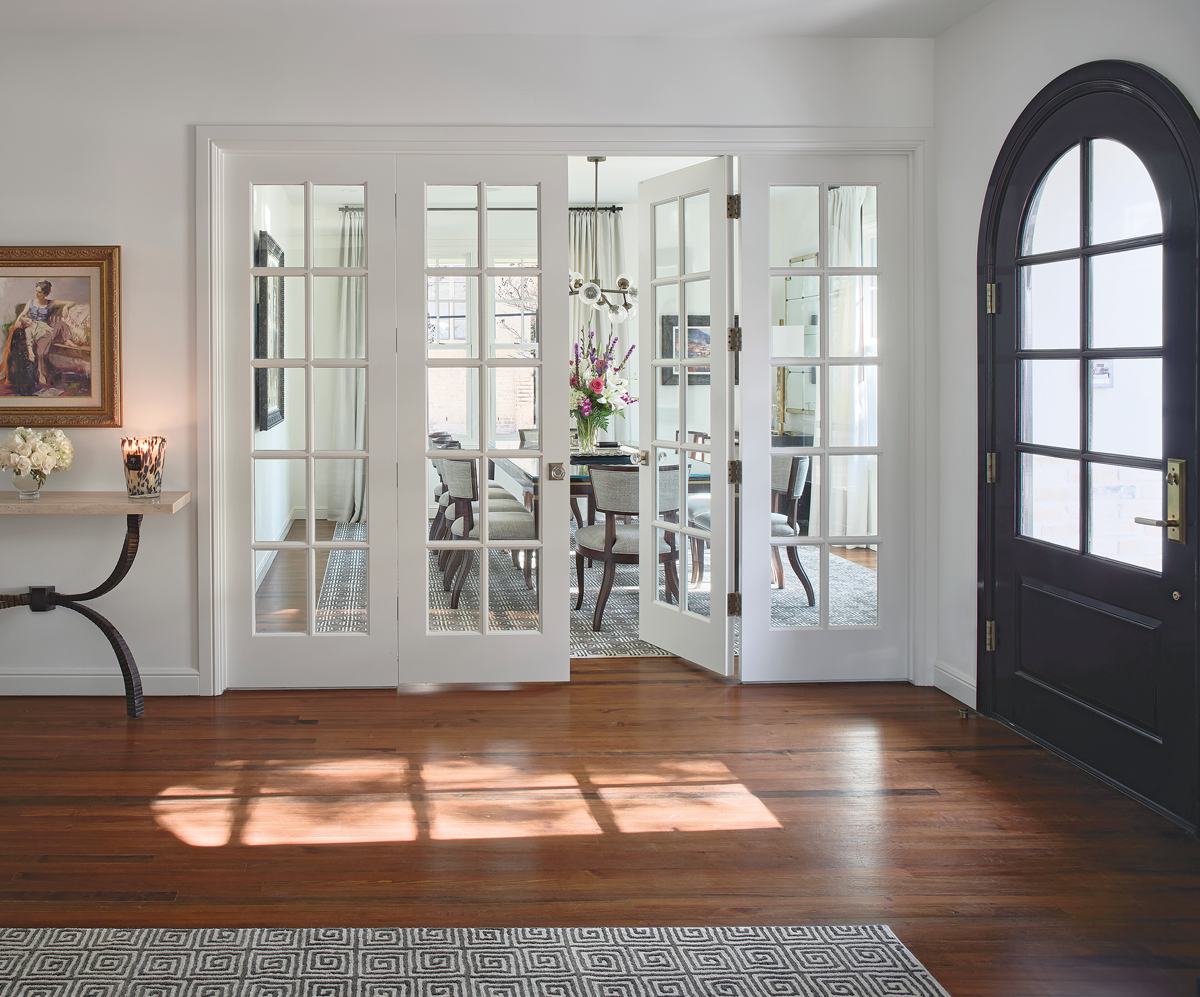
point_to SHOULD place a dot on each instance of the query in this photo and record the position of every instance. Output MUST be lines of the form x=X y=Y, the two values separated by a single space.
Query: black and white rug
x=342 y=601
x=855 y=961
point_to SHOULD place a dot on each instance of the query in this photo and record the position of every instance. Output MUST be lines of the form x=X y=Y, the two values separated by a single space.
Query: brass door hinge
x=735 y=604
x=733 y=205
x=735 y=472
x=993 y=299
x=735 y=338
x=989 y=637
x=993 y=468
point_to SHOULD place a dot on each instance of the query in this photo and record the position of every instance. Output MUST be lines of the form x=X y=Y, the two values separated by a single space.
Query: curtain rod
x=352 y=207
x=615 y=207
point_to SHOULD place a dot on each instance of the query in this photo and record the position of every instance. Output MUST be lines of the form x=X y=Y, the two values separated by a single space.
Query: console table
x=43 y=598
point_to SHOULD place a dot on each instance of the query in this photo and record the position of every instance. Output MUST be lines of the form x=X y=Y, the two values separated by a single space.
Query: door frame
x=213 y=143
x=1105 y=76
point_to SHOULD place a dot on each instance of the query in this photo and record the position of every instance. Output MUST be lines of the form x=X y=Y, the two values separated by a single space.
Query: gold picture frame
x=60 y=346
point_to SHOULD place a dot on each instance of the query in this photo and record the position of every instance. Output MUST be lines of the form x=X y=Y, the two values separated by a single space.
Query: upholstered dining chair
x=615 y=488
x=507 y=519
x=440 y=527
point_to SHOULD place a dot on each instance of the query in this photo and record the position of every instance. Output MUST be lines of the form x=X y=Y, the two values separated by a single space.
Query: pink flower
x=585 y=407
x=574 y=381
x=596 y=385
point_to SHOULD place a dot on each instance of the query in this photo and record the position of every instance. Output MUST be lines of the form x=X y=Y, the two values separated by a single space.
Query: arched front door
x=1088 y=300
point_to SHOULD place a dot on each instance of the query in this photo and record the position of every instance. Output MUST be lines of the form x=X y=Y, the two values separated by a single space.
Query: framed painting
x=268 y=336
x=60 y=336
x=699 y=345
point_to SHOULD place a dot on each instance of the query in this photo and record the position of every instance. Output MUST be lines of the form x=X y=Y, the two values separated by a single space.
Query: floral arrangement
x=598 y=391
x=36 y=453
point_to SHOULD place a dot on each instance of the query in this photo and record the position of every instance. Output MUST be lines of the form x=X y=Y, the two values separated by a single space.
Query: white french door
x=825 y=415
x=308 y=433
x=685 y=391
x=482 y=343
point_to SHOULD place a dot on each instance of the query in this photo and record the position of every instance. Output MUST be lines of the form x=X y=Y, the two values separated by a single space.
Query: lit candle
x=143 y=458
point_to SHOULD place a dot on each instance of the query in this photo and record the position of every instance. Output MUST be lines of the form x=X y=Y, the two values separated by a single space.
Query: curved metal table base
x=43 y=598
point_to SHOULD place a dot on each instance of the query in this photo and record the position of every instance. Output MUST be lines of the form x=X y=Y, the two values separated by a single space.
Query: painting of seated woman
x=46 y=337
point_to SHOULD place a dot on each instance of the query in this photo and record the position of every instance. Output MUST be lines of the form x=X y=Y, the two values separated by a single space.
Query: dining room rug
x=865 y=960
x=342 y=600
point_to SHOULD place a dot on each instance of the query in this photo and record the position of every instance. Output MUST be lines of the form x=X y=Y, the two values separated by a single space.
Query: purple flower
x=585 y=407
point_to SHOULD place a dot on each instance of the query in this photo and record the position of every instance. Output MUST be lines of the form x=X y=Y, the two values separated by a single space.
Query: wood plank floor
x=643 y=792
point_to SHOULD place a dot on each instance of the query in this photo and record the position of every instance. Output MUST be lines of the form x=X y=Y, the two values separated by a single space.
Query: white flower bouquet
x=35 y=453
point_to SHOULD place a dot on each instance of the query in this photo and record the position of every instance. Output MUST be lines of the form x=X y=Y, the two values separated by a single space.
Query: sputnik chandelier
x=604 y=299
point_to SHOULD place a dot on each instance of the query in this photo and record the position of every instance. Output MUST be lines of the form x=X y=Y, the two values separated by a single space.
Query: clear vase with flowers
x=598 y=390
x=32 y=455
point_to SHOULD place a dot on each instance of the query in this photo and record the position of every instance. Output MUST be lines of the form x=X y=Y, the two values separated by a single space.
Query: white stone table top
x=92 y=504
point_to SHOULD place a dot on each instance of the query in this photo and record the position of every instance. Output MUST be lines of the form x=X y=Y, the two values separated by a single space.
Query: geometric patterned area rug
x=342 y=602
x=857 y=961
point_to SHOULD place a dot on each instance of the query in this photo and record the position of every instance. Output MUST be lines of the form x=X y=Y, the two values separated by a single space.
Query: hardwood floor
x=643 y=792
x=281 y=600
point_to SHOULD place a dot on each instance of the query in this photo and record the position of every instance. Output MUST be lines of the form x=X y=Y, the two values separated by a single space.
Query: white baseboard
x=955 y=683
x=89 y=683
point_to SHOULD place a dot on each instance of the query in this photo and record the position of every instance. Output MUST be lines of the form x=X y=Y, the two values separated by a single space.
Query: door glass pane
x=339 y=408
x=1049 y=500
x=666 y=404
x=339 y=231
x=341 y=591
x=699 y=486
x=666 y=239
x=853 y=586
x=513 y=589
x=452 y=226
x=795 y=316
x=699 y=338
x=453 y=394
x=514 y=316
x=1126 y=412
x=280 y=591
x=451 y=317
x=1124 y=201
x=279 y=408
x=794 y=604
x=279 y=213
x=796 y=407
x=853 y=406
x=853 y=495
x=699 y=387
x=451 y=568
x=697 y=592
x=278 y=318
x=853 y=329
x=1115 y=496
x=340 y=318
x=1050 y=306
x=794 y=489
x=514 y=403
x=1050 y=403
x=667 y=492
x=280 y=502
x=666 y=321
x=667 y=588
x=1126 y=292
x=514 y=488
x=795 y=227
x=853 y=233
x=1053 y=219
x=512 y=223
x=695 y=233
x=341 y=497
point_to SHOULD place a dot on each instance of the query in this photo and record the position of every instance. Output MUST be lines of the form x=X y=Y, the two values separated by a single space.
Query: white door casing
x=822 y=652
x=672 y=431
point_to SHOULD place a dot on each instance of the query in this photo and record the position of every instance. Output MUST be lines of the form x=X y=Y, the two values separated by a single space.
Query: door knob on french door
x=1176 y=503
x=1155 y=522
x=557 y=472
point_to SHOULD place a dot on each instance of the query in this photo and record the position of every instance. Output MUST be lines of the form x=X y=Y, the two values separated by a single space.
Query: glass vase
x=587 y=428
x=27 y=485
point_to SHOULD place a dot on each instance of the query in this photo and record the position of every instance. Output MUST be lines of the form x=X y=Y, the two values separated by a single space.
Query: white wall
x=107 y=158
x=988 y=68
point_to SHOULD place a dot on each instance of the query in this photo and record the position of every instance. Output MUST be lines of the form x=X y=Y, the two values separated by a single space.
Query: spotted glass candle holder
x=143 y=457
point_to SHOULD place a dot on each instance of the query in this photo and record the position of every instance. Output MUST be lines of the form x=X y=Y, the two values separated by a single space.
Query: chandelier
x=604 y=299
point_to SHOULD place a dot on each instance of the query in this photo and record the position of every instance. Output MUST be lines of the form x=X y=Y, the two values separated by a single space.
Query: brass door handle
x=1156 y=522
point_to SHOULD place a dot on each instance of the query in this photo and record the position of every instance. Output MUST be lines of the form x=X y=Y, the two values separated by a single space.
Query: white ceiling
x=828 y=18
x=619 y=176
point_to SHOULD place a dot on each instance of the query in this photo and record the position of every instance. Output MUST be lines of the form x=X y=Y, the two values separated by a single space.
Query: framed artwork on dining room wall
x=60 y=336
x=268 y=336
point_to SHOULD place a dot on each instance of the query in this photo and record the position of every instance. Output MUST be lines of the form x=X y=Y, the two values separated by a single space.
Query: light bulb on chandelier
x=619 y=309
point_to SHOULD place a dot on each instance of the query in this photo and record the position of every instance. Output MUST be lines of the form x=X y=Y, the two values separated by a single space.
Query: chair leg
x=672 y=579
x=776 y=568
x=468 y=558
x=528 y=569
x=606 y=584
x=579 y=574
x=697 y=554
x=794 y=558
x=575 y=510
x=452 y=561
x=516 y=557
x=436 y=525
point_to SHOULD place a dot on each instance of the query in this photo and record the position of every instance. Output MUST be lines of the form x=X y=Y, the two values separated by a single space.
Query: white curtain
x=347 y=493
x=604 y=234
